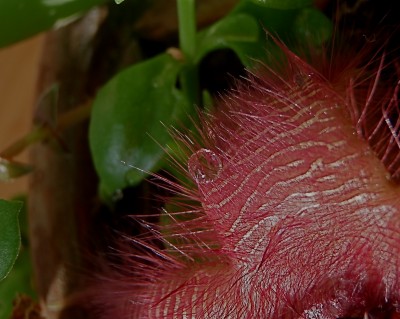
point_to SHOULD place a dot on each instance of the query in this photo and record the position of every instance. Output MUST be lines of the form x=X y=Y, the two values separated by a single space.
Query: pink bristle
x=291 y=213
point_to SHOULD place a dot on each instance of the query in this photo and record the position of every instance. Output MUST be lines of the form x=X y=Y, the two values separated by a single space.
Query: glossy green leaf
x=10 y=238
x=283 y=4
x=20 y=19
x=239 y=32
x=19 y=280
x=129 y=120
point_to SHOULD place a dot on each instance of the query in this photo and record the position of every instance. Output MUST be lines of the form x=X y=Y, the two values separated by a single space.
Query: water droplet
x=204 y=166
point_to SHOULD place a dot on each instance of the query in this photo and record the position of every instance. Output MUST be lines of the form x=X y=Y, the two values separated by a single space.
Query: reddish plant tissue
x=298 y=216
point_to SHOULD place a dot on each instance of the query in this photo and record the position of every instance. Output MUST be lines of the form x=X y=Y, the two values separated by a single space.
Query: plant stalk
x=187 y=40
x=42 y=132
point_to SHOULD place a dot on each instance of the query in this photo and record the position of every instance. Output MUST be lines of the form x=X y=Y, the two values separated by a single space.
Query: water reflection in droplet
x=204 y=166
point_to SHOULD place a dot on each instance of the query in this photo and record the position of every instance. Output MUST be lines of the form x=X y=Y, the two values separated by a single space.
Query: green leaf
x=129 y=119
x=20 y=19
x=312 y=26
x=19 y=280
x=283 y=4
x=239 y=32
x=275 y=21
x=10 y=238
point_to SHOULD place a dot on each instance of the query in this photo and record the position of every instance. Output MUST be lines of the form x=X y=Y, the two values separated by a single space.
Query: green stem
x=42 y=132
x=187 y=40
x=187 y=27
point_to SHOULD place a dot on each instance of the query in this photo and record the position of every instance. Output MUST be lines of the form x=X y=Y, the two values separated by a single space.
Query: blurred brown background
x=18 y=71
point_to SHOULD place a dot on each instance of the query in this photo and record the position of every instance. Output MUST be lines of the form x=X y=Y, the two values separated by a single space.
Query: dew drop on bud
x=204 y=166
